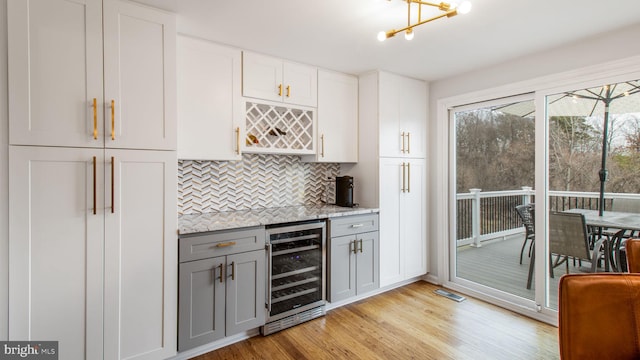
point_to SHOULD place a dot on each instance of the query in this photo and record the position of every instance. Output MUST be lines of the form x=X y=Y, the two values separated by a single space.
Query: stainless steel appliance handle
x=270 y=272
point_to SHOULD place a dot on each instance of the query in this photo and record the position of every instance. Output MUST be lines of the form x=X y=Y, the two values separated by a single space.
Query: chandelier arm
x=447 y=14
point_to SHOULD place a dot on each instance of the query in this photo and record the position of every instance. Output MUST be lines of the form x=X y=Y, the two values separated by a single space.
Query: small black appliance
x=344 y=191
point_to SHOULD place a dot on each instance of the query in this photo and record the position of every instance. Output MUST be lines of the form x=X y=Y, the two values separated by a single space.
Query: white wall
x=4 y=181
x=593 y=51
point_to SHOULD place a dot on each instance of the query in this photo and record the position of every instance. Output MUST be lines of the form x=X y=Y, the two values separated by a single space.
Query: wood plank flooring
x=411 y=322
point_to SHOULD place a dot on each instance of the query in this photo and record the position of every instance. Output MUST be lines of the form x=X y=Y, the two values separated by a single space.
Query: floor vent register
x=449 y=295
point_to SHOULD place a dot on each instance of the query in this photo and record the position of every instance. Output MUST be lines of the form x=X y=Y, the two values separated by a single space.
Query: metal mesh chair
x=526 y=213
x=568 y=238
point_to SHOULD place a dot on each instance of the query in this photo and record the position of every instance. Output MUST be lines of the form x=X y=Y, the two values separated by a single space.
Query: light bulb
x=382 y=36
x=464 y=7
x=409 y=34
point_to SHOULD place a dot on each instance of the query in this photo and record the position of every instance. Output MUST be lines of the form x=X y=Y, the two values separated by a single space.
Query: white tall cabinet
x=92 y=178
x=391 y=172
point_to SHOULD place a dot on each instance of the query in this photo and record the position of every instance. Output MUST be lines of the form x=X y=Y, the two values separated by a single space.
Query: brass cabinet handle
x=113 y=196
x=280 y=90
x=113 y=119
x=409 y=177
x=95 y=118
x=322 y=145
x=233 y=270
x=360 y=241
x=403 y=176
x=94 y=186
x=230 y=243
x=408 y=143
x=238 y=140
x=355 y=250
x=402 y=147
x=288 y=90
x=221 y=273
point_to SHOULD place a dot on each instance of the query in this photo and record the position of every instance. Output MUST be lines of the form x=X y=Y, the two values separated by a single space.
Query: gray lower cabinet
x=353 y=256
x=222 y=295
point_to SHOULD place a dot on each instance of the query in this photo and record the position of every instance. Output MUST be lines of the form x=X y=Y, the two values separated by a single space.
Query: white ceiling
x=341 y=34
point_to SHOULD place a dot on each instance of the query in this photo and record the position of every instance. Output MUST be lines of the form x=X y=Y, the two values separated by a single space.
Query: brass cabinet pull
x=95 y=119
x=233 y=270
x=408 y=177
x=113 y=196
x=94 y=186
x=402 y=148
x=360 y=241
x=230 y=243
x=403 y=176
x=288 y=90
x=221 y=273
x=322 y=145
x=238 y=140
x=280 y=90
x=355 y=250
x=113 y=119
x=408 y=143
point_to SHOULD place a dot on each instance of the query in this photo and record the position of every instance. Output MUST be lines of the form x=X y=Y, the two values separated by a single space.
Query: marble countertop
x=194 y=223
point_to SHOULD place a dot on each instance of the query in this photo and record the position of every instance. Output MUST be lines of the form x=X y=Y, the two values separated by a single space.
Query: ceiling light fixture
x=448 y=10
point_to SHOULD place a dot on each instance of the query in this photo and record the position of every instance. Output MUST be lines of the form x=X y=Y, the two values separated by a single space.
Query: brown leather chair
x=632 y=248
x=599 y=316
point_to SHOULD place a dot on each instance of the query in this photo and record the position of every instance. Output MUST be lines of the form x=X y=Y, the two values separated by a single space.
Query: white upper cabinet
x=337 y=134
x=139 y=71
x=210 y=110
x=58 y=71
x=268 y=78
x=402 y=116
x=55 y=72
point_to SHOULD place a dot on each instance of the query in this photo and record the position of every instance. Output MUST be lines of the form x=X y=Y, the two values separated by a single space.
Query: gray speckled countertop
x=194 y=223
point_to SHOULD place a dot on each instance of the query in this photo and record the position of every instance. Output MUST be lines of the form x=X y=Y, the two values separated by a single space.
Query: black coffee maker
x=344 y=191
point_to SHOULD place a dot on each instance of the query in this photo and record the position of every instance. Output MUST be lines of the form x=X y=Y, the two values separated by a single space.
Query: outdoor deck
x=496 y=264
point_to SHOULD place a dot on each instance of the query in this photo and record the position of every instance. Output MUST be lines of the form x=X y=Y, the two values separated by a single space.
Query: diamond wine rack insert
x=278 y=129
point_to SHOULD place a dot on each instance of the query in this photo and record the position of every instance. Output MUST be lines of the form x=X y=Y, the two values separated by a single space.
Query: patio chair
x=526 y=213
x=598 y=316
x=568 y=238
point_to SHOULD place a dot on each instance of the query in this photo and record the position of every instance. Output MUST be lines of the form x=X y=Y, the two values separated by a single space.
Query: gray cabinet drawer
x=217 y=243
x=354 y=224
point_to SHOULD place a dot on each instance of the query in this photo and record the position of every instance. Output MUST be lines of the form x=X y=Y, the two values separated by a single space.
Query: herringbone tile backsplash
x=255 y=182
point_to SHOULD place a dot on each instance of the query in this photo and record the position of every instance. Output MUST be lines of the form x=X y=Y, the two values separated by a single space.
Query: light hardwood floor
x=411 y=322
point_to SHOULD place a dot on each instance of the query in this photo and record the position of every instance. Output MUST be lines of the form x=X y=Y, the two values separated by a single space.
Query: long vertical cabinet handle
x=94 y=186
x=233 y=270
x=408 y=143
x=408 y=177
x=322 y=145
x=355 y=251
x=360 y=241
x=270 y=274
x=221 y=273
x=402 y=147
x=113 y=119
x=113 y=178
x=95 y=119
x=238 y=140
x=403 y=176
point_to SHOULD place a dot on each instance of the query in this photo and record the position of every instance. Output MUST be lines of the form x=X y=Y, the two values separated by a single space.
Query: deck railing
x=484 y=216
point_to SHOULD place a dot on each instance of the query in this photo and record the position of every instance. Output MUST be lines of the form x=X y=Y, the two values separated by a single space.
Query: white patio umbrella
x=609 y=99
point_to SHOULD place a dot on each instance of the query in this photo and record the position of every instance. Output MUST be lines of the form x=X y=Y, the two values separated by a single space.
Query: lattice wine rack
x=278 y=129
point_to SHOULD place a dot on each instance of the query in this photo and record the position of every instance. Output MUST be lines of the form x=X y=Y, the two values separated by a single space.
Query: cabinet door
x=139 y=73
x=245 y=279
x=202 y=297
x=367 y=263
x=402 y=116
x=262 y=77
x=140 y=254
x=342 y=268
x=391 y=258
x=412 y=220
x=209 y=100
x=300 y=84
x=55 y=67
x=337 y=117
x=56 y=248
